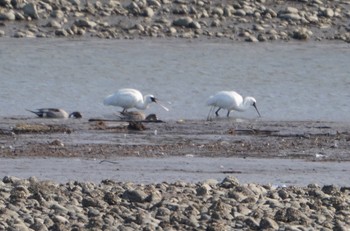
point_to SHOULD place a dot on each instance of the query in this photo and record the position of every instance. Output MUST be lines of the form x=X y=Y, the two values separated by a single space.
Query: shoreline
x=152 y=170
x=241 y=138
x=245 y=21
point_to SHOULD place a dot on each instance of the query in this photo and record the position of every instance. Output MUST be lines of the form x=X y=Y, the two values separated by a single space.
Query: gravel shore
x=210 y=205
x=251 y=21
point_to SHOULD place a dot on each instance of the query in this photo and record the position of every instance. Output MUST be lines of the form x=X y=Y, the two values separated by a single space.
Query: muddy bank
x=251 y=21
x=320 y=141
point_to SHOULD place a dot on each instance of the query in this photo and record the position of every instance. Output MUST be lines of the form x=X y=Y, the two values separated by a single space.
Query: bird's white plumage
x=230 y=100
x=226 y=99
x=125 y=98
x=130 y=98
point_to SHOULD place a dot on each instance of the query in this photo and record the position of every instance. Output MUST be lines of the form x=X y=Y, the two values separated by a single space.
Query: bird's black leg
x=228 y=113
x=124 y=110
x=217 y=111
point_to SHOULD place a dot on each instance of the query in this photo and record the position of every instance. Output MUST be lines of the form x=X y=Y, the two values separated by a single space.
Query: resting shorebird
x=137 y=116
x=55 y=113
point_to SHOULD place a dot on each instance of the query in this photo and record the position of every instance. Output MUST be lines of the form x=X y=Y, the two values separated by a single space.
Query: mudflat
x=222 y=137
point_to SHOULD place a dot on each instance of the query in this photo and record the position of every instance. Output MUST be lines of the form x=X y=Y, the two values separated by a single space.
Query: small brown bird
x=55 y=113
x=137 y=116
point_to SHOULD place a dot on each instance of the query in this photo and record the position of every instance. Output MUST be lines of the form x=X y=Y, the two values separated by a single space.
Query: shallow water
x=277 y=172
x=291 y=81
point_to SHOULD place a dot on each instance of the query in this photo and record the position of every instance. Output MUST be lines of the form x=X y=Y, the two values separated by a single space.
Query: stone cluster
x=244 y=20
x=30 y=204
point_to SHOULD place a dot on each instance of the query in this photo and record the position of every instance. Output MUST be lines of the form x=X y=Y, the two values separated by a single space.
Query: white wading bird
x=229 y=100
x=55 y=113
x=131 y=98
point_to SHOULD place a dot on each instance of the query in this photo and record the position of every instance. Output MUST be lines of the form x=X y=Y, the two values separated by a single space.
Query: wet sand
x=277 y=172
x=266 y=152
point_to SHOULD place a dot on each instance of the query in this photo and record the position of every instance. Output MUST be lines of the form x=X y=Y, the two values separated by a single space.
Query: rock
x=56 y=25
x=240 y=12
x=262 y=38
x=155 y=3
x=133 y=8
x=267 y=223
x=292 y=215
x=301 y=34
x=271 y=12
x=291 y=10
x=203 y=190
x=5 y=3
x=330 y=189
x=215 y=23
x=252 y=223
x=57 y=14
x=19 y=227
x=85 y=23
x=312 y=18
x=38 y=225
x=328 y=12
x=195 y=25
x=251 y=38
x=258 y=28
x=60 y=219
x=171 y=31
x=290 y=16
x=183 y=22
x=148 y=12
x=30 y=10
x=229 y=11
x=217 y=11
x=229 y=182
x=7 y=16
x=135 y=195
x=58 y=208
x=74 y=2
x=61 y=32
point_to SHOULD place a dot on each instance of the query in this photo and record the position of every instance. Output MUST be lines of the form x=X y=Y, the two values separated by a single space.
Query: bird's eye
x=153 y=99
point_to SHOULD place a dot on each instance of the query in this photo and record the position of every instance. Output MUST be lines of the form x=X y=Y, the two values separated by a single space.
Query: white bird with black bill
x=131 y=98
x=230 y=100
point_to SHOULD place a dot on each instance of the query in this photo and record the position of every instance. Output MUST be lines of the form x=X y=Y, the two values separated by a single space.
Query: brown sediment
x=311 y=140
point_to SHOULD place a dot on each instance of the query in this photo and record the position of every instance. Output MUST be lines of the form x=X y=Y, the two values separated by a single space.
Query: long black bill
x=257 y=109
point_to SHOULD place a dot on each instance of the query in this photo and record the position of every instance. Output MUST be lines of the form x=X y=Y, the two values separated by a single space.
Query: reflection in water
x=306 y=81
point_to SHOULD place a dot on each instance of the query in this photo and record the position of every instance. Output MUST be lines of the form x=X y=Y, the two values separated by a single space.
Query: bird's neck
x=142 y=105
x=244 y=105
